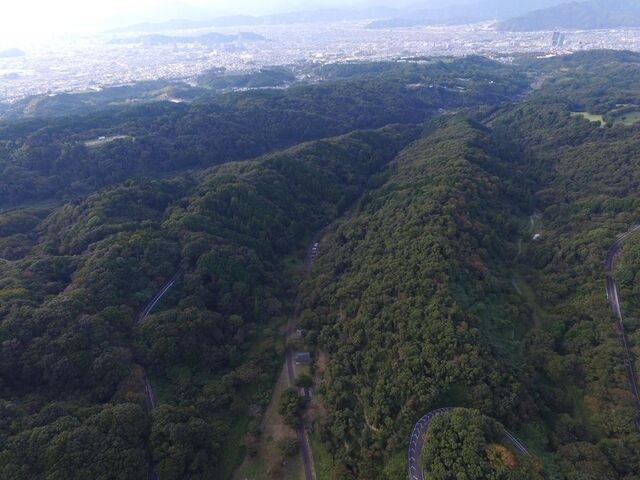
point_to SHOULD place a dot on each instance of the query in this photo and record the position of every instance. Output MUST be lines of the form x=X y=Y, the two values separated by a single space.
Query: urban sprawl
x=92 y=63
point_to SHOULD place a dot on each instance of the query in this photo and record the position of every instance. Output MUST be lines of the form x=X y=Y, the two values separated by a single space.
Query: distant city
x=92 y=63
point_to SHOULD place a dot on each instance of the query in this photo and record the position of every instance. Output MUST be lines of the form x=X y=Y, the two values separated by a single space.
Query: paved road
x=144 y=313
x=517 y=444
x=303 y=440
x=614 y=304
x=416 y=442
x=150 y=400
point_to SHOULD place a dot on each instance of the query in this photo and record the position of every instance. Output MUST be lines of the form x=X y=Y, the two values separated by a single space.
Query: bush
x=288 y=447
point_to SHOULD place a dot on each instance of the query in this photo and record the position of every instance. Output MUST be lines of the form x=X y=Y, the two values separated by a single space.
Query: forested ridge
x=413 y=273
x=392 y=308
x=427 y=289
x=69 y=360
x=53 y=158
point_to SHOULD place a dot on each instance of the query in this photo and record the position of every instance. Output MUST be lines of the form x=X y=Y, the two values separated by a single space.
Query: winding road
x=416 y=442
x=614 y=304
x=150 y=400
x=301 y=432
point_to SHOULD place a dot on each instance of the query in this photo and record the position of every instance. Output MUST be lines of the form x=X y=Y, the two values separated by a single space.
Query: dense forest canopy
x=427 y=181
x=43 y=159
x=69 y=303
x=464 y=445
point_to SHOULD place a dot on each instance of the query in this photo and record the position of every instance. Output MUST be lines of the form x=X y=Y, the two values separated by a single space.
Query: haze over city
x=75 y=46
x=30 y=20
x=320 y=240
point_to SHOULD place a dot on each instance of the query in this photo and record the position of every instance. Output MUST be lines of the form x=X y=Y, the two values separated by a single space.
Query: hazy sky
x=31 y=19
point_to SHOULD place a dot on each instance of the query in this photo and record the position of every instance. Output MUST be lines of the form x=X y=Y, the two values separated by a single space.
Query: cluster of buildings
x=92 y=63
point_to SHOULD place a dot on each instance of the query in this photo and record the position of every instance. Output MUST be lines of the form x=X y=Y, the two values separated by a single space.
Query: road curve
x=150 y=401
x=301 y=432
x=416 y=442
x=614 y=304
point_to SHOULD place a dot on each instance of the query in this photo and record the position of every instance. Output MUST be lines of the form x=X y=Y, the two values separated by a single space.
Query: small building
x=305 y=392
x=303 y=358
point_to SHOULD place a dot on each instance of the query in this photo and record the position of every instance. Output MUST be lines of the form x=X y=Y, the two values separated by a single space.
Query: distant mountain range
x=11 y=52
x=521 y=15
x=207 y=39
x=588 y=15
x=312 y=16
x=159 y=12
x=471 y=12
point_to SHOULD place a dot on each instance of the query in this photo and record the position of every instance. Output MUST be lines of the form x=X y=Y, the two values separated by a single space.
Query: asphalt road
x=150 y=400
x=614 y=304
x=416 y=442
x=301 y=432
x=517 y=444
x=144 y=313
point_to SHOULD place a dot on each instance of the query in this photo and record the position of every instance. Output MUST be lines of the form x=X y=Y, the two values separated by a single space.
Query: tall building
x=557 y=40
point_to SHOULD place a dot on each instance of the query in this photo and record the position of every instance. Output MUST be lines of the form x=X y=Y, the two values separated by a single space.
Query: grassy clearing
x=591 y=117
x=36 y=205
x=234 y=450
x=265 y=462
x=625 y=119
x=520 y=284
x=322 y=461
x=530 y=298
x=316 y=415
x=274 y=430
x=535 y=436
x=628 y=119
x=301 y=370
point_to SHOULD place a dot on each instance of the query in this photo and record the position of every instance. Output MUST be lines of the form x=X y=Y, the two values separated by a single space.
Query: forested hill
x=43 y=159
x=417 y=265
x=432 y=292
x=71 y=384
x=460 y=263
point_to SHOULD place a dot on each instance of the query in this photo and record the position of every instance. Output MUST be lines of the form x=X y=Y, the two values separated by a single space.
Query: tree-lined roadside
x=614 y=304
x=301 y=430
x=150 y=401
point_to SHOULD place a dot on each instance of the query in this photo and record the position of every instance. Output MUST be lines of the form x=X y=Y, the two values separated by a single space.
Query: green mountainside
x=462 y=209
x=42 y=159
x=69 y=306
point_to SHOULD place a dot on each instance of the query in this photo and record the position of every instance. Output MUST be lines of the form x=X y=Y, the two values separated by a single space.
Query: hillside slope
x=46 y=159
x=408 y=293
x=460 y=264
x=71 y=387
